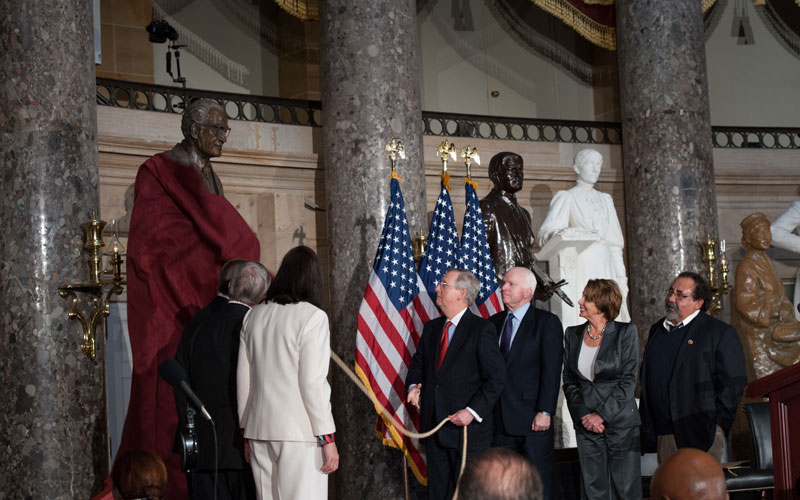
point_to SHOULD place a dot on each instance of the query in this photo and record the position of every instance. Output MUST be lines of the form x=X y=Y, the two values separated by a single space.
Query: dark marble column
x=670 y=198
x=52 y=414
x=370 y=93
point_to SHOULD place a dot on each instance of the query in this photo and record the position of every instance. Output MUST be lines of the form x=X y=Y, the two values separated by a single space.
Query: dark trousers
x=539 y=448
x=610 y=464
x=231 y=485
x=444 y=465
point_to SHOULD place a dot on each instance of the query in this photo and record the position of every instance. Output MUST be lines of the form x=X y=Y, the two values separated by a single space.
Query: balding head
x=690 y=474
x=500 y=474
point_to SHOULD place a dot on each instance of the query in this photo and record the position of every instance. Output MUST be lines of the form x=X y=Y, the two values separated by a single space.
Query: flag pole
x=405 y=476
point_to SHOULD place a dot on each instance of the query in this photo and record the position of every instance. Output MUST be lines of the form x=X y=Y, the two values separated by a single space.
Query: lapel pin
x=691 y=341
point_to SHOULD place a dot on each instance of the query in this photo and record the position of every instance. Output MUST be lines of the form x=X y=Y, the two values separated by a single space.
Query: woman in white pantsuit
x=282 y=387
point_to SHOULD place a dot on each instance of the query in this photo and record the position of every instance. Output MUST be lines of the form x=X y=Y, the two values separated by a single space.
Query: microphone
x=172 y=371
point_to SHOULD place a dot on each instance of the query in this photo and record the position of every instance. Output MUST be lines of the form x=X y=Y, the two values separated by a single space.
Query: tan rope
x=393 y=420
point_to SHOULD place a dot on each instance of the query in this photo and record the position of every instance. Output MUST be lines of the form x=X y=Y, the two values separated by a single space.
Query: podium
x=783 y=390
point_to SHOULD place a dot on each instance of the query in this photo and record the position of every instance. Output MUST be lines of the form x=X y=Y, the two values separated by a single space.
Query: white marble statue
x=784 y=235
x=587 y=217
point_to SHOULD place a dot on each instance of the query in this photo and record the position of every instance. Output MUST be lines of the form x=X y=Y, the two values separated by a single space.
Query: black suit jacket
x=472 y=375
x=533 y=369
x=611 y=394
x=209 y=351
x=707 y=383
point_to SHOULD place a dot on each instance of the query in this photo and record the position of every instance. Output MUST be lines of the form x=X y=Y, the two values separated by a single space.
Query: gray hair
x=228 y=272
x=251 y=283
x=528 y=278
x=467 y=281
x=197 y=112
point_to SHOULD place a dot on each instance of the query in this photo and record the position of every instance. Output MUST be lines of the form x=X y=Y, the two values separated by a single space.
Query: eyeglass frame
x=216 y=129
x=679 y=296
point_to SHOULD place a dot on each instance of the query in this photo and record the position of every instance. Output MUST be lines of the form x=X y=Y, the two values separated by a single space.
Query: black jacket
x=533 y=369
x=209 y=351
x=707 y=383
x=611 y=394
x=472 y=375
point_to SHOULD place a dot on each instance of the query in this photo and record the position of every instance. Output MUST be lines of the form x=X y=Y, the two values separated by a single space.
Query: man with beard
x=693 y=374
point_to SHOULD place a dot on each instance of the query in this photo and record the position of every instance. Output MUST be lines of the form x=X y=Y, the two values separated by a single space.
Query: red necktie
x=443 y=343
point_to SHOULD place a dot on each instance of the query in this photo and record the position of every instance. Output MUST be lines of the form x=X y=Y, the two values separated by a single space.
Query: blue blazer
x=533 y=370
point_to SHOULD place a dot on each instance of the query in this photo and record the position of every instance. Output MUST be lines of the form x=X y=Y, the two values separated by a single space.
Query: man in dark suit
x=693 y=374
x=209 y=351
x=457 y=372
x=530 y=339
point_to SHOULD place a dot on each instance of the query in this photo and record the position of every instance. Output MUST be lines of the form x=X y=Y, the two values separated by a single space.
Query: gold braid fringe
x=305 y=10
x=599 y=34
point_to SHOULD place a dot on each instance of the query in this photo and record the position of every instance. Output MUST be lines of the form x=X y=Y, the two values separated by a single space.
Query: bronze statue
x=763 y=315
x=205 y=130
x=508 y=225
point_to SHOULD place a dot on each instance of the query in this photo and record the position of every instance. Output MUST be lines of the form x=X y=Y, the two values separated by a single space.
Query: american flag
x=441 y=252
x=390 y=323
x=476 y=257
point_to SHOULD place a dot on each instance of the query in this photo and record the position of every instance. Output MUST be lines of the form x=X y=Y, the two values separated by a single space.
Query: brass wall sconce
x=100 y=287
x=717 y=278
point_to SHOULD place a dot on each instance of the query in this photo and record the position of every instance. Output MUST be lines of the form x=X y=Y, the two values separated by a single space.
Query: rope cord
x=393 y=420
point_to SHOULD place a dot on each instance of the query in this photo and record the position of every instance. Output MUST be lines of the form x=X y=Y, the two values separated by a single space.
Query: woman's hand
x=593 y=423
x=330 y=456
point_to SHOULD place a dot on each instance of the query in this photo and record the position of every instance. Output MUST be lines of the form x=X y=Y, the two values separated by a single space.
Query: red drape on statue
x=180 y=235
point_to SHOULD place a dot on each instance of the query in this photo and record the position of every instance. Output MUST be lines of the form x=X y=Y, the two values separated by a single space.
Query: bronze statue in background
x=763 y=315
x=508 y=225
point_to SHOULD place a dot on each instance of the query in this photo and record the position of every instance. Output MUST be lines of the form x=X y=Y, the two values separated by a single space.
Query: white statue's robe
x=784 y=235
x=583 y=210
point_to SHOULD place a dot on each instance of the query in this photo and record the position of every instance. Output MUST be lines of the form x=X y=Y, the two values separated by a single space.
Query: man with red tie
x=456 y=373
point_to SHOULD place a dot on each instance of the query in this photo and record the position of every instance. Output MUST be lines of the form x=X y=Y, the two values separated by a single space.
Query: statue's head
x=505 y=171
x=755 y=232
x=587 y=165
x=205 y=126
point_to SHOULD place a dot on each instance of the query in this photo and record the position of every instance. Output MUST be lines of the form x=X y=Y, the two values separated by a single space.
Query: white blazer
x=282 y=386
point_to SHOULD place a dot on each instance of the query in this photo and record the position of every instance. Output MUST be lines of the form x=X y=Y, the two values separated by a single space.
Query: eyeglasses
x=678 y=295
x=216 y=129
x=444 y=284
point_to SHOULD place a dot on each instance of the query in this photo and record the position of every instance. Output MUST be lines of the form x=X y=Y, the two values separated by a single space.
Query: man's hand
x=541 y=422
x=413 y=396
x=462 y=417
x=247 y=450
x=330 y=457
x=593 y=423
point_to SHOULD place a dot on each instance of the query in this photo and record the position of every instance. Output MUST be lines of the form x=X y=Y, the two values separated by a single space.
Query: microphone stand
x=191 y=450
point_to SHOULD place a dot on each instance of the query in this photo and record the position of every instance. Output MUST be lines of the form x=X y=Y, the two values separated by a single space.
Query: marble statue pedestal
x=562 y=255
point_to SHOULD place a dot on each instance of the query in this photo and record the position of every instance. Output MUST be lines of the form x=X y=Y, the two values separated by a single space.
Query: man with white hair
x=530 y=340
x=456 y=373
x=210 y=352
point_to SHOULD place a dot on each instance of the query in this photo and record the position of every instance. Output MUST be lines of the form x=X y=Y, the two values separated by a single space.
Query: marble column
x=670 y=198
x=370 y=93
x=52 y=413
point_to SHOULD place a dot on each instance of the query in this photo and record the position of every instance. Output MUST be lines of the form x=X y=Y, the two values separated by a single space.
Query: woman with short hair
x=601 y=359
